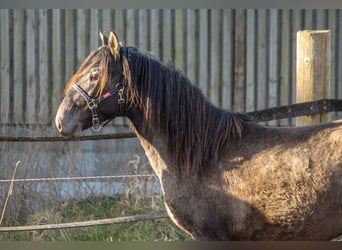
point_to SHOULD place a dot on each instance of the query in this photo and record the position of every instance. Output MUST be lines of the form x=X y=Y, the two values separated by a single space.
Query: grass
x=100 y=208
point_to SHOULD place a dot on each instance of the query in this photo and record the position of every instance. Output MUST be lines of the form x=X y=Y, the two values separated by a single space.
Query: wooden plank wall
x=243 y=60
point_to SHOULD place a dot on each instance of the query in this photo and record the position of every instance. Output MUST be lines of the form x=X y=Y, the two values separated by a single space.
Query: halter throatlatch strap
x=93 y=102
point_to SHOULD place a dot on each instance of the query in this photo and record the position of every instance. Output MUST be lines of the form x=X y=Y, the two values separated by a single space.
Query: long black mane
x=196 y=131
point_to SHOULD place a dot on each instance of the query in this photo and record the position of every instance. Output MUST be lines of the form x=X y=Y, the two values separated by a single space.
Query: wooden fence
x=242 y=59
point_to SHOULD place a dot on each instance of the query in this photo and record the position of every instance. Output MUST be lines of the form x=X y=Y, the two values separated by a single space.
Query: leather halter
x=93 y=102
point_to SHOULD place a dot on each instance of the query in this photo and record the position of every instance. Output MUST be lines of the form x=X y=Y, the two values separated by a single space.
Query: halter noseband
x=93 y=102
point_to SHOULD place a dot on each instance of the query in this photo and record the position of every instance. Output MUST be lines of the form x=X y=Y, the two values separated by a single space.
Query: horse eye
x=94 y=75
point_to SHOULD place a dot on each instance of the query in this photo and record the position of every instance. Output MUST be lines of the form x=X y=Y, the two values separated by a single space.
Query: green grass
x=100 y=208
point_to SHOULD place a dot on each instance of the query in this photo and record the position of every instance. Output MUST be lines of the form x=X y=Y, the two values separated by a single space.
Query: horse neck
x=177 y=125
x=153 y=143
x=157 y=147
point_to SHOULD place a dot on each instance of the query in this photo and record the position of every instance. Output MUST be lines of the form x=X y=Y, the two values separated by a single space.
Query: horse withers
x=224 y=177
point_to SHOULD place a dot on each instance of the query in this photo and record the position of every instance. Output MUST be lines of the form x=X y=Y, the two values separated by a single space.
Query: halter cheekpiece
x=92 y=103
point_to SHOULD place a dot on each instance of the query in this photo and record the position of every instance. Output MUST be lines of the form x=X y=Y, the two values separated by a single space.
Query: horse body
x=224 y=177
x=273 y=184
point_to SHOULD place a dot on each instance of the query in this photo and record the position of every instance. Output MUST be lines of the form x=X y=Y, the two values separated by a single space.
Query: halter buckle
x=121 y=100
x=92 y=104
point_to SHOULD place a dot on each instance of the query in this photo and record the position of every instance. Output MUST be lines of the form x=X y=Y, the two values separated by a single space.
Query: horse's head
x=96 y=93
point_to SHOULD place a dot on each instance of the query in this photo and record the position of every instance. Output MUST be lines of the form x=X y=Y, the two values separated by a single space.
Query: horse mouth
x=76 y=133
x=68 y=129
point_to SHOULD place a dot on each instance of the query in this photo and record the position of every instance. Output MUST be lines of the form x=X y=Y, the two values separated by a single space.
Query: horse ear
x=114 y=45
x=104 y=39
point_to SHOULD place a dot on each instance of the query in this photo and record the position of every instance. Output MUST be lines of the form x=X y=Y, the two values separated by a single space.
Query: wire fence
x=77 y=224
x=25 y=191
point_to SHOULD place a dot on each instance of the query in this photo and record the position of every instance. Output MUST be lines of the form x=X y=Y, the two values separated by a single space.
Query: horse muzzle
x=67 y=126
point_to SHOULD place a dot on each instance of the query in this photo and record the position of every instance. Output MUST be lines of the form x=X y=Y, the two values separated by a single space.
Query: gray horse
x=224 y=177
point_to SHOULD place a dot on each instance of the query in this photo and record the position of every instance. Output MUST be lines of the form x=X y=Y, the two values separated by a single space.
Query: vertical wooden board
x=332 y=26
x=261 y=60
x=142 y=29
x=322 y=19
x=273 y=79
x=5 y=67
x=250 y=57
x=298 y=24
x=94 y=30
x=313 y=77
x=18 y=70
x=227 y=59
x=43 y=114
x=179 y=38
x=155 y=31
x=339 y=55
x=137 y=35
x=285 y=62
x=70 y=53
x=31 y=74
x=308 y=19
x=239 y=62
x=190 y=44
x=131 y=39
x=82 y=30
x=215 y=54
x=338 y=65
x=338 y=61
x=107 y=25
x=56 y=54
x=204 y=52
x=119 y=23
x=166 y=44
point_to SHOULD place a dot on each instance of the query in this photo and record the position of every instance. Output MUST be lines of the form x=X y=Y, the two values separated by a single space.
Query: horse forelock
x=195 y=130
x=100 y=58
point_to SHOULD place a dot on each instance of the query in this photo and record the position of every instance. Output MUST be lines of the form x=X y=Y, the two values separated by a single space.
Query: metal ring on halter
x=96 y=126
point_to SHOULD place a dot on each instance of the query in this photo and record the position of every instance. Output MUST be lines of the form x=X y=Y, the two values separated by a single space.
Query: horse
x=223 y=175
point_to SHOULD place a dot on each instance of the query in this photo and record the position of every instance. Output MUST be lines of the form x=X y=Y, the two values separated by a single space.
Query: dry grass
x=63 y=159
x=98 y=208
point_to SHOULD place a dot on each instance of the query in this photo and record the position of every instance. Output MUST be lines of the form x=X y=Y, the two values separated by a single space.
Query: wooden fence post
x=313 y=71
